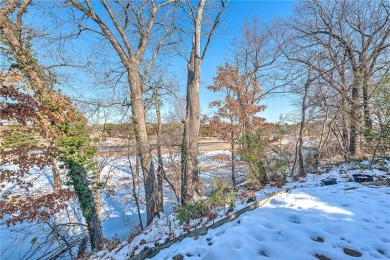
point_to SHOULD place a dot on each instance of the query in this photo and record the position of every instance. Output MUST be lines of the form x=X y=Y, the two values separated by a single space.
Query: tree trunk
x=82 y=247
x=345 y=134
x=135 y=183
x=192 y=122
x=27 y=64
x=56 y=176
x=301 y=167
x=98 y=191
x=191 y=131
x=322 y=142
x=41 y=87
x=160 y=168
x=143 y=147
x=354 y=119
x=233 y=162
x=366 y=108
x=86 y=199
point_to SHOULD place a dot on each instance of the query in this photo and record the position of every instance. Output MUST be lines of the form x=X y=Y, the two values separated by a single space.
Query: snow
x=320 y=220
x=300 y=224
x=346 y=215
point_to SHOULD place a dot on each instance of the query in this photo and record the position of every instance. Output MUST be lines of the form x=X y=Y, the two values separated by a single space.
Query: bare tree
x=160 y=89
x=190 y=173
x=130 y=28
x=256 y=51
x=354 y=38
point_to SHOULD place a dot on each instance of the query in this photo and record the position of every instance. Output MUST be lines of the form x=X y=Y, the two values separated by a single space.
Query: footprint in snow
x=276 y=202
x=368 y=220
x=294 y=219
x=258 y=237
x=268 y=225
x=263 y=252
x=382 y=251
x=219 y=233
x=322 y=257
x=318 y=239
x=347 y=240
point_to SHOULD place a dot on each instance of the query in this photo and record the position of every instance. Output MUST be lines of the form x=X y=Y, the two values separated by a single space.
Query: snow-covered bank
x=303 y=224
x=301 y=219
x=332 y=217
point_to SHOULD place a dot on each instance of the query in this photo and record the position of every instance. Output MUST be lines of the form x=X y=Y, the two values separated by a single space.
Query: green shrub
x=253 y=152
x=221 y=195
x=190 y=211
x=218 y=196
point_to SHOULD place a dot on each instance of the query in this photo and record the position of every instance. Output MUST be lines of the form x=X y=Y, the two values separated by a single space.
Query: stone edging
x=151 y=252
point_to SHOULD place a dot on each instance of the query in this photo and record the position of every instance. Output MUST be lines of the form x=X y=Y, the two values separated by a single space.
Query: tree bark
x=192 y=121
x=191 y=128
x=354 y=121
x=345 y=134
x=234 y=182
x=366 y=105
x=11 y=34
x=301 y=166
x=143 y=146
x=86 y=199
x=134 y=184
x=160 y=167
x=56 y=176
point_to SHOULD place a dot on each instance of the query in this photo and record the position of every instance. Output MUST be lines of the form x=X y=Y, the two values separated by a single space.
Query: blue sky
x=219 y=52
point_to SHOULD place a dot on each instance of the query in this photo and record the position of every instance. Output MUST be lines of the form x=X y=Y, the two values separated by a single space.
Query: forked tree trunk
x=299 y=145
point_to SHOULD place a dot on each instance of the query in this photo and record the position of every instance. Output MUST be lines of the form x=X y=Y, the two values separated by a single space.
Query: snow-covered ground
x=119 y=215
x=309 y=220
x=305 y=223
